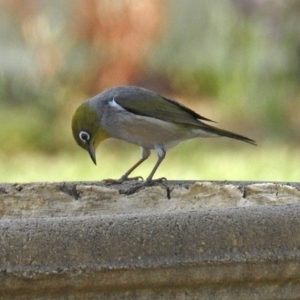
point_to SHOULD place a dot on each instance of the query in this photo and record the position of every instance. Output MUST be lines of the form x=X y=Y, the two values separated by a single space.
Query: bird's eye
x=84 y=136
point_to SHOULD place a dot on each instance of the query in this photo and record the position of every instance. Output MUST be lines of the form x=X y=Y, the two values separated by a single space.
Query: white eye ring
x=84 y=136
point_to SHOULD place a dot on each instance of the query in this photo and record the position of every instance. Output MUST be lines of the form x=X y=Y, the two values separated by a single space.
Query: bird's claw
x=122 y=179
x=158 y=180
x=135 y=187
x=125 y=178
x=139 y=186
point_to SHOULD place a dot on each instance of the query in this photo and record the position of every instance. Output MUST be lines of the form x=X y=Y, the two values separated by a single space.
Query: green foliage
x=201 y=81
x=195 y=160
x=247 y=62
x=28 y=116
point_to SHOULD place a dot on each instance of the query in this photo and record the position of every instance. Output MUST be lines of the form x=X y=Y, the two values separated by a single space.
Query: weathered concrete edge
x=205 y=247
x=76 y=199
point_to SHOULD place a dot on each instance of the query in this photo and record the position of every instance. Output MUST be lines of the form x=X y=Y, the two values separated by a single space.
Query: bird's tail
x=229 y=134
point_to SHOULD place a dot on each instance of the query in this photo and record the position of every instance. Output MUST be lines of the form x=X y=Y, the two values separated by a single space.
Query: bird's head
x=87 y=129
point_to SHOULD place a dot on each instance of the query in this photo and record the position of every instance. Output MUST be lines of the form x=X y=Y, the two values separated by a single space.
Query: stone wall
x=177 y=240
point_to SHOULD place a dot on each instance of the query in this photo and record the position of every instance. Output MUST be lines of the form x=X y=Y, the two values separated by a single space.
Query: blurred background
x=234 y=61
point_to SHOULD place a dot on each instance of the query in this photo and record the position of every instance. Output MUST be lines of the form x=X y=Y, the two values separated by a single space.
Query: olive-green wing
x=160 y=108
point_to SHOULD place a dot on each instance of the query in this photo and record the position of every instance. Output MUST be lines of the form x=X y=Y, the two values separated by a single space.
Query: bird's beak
x=91 y=151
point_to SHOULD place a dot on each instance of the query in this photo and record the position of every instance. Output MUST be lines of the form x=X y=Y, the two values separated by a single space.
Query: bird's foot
x=146 y=183
x=121 y=180
x=157 y=180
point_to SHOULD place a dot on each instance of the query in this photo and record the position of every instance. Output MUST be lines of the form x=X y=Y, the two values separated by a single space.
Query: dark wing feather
x=158 y=107
x=146 y=103
x=229 y=134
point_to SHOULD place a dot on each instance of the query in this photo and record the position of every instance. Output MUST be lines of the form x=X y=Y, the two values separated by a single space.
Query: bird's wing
x=160 y=108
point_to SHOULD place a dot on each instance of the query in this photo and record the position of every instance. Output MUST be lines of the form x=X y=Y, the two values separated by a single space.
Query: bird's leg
x=125 y=176
x=145 y=155
x=161 y=152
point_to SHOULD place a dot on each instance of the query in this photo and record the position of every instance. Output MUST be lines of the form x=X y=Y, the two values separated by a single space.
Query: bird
x=141 y=117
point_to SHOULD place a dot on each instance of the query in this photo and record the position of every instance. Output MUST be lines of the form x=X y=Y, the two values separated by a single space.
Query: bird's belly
x=149 y=132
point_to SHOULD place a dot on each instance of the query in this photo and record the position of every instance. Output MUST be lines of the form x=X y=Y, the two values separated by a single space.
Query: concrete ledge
x=208 y=241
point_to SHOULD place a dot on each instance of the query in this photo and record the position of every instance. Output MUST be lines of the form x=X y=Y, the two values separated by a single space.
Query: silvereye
x=141 y=117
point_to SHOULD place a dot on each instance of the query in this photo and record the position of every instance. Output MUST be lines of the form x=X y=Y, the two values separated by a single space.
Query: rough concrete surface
x=176 y=240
